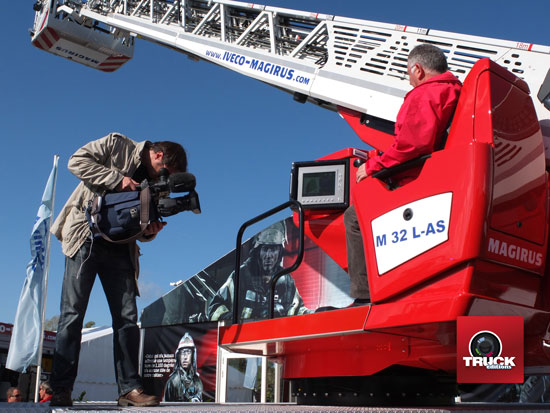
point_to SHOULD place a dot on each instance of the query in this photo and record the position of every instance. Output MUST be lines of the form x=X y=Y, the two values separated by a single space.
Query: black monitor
x=320 y=184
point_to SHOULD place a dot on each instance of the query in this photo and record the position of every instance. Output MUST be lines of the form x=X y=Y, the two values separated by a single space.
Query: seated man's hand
x=154 y=228
x=361 y=173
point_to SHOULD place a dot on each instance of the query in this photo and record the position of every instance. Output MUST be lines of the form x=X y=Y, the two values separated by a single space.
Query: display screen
x=319 y=183
x=322 y=184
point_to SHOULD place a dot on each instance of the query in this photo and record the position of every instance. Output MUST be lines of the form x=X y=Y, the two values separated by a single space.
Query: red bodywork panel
x=492 y=170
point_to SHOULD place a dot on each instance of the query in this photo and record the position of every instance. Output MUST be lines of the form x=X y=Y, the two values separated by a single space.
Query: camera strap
x=95 y=216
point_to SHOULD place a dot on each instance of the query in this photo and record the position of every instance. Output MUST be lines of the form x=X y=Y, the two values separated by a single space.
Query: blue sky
x=241 y=135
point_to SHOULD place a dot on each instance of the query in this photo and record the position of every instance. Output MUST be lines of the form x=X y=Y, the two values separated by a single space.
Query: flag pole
x=43 y=309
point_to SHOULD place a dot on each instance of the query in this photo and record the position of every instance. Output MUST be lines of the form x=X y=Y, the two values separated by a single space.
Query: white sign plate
x=410 y=230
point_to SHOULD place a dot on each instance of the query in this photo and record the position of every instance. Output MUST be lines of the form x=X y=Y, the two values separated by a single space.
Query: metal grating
x=95 y=407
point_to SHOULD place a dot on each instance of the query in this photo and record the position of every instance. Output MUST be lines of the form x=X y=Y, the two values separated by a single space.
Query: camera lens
x=485 y=344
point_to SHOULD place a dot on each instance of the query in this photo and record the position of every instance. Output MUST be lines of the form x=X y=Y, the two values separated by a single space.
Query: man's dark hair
x=174 y=154
x=430 y=57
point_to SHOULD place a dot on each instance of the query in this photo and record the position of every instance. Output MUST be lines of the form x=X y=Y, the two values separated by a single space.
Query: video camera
x=177 y=182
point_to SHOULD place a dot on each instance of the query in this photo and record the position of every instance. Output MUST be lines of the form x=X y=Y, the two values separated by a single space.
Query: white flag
x=27 y=329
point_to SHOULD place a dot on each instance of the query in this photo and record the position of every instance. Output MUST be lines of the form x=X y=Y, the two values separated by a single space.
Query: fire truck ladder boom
x=328 y=60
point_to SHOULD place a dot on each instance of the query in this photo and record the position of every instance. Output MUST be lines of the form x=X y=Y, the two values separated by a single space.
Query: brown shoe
x=138 y=398
x=61 y=397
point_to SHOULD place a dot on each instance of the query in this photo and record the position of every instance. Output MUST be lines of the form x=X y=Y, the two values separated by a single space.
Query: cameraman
x=112 y=163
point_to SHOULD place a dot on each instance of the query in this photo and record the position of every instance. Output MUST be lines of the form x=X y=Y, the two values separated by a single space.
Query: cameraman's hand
x=127 y=184
x=154 y=228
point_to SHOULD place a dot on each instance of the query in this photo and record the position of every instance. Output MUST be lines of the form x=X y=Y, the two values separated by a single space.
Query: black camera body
x=177 y=182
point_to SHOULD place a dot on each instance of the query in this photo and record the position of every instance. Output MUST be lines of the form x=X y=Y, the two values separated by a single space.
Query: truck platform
x=82 y=407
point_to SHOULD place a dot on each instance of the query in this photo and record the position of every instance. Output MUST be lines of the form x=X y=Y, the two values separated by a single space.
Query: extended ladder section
x=331 y=61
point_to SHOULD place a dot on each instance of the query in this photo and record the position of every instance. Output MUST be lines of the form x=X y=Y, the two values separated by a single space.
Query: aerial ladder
x=357 y=67
x=489 y=216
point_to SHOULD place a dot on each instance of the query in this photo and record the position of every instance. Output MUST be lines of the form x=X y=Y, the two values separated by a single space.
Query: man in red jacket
x=420 y=126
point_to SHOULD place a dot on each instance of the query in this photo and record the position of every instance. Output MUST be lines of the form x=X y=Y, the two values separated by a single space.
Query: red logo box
x=489 y=349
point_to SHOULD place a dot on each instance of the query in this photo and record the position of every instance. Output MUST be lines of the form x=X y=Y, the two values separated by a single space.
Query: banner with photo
x=209 y=295
x=179 y=362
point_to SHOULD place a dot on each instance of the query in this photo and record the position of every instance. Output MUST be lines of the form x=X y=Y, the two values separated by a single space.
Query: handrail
x=388 y=172
x=283 y=271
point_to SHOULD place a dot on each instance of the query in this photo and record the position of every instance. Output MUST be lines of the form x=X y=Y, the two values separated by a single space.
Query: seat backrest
x=518 y=202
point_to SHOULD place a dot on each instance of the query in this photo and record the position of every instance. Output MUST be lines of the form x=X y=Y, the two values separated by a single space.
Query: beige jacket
x=100 y=165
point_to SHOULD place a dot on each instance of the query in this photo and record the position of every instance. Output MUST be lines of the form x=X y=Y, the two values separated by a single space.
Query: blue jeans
x=116 y=272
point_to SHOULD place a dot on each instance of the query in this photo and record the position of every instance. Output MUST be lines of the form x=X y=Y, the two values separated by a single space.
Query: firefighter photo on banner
x=209 y=295
x=179 y=362
x=184 y=384
x=264 y=260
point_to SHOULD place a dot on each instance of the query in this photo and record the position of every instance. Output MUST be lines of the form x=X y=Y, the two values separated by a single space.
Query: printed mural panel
x=179 y=362
x=209 y=295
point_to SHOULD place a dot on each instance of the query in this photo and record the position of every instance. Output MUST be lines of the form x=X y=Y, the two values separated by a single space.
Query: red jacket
x=46 y=398
x=421 y=123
